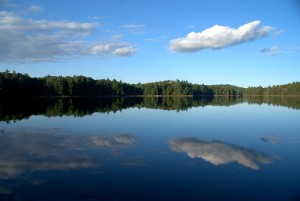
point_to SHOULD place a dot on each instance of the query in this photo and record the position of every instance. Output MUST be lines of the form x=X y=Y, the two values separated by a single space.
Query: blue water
x=238 y=152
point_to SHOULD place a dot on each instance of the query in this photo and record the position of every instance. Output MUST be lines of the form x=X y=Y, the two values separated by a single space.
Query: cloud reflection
x=270 y=139
x=114 y=142
x=218 y=153
x=24 y=151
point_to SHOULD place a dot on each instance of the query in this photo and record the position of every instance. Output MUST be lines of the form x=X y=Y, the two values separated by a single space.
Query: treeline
x=17 y=84
x=275 y=90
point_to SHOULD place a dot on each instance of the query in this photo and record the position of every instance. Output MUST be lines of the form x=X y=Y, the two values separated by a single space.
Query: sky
x=243 y=43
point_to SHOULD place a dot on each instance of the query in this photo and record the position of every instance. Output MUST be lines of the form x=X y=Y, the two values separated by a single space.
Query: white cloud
x=134 y=28
x=219 y=36
x=35 y=9
x=218 y=153
x=114 y=47
x=100 y=48
x=279 y=32
x=93 y=17
x=124 y=51
x=191 y=27
x=26 y=40
x=274 y=50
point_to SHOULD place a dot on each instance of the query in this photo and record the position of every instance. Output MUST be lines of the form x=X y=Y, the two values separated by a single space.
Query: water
x=150 y=149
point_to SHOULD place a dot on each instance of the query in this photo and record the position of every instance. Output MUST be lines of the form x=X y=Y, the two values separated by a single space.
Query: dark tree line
x=275 y=90
x=17 y=84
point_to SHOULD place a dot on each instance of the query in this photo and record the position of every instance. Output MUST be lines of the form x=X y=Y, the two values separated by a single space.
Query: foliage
x=275 y=90
x=16 y=84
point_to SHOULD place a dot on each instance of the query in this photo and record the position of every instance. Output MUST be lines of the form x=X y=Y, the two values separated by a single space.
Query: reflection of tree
x=12 y=109
x=217 y=152
x=53 y=149
x=287 y=101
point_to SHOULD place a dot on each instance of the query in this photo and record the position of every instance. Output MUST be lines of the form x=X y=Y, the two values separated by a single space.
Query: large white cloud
x=26 y=40
x=219 y=36
x=218 y=153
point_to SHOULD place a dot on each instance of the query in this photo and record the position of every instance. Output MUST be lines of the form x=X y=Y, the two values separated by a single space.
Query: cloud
x=53 y=149
x=134 y=28
x=100 y=48
x=191 y=27
x=219 y=153
x=35 y=9
x=279 y=32
x=124 y=51
x=93 y=17
x=274 y=50
x=117 y=141
x=218 y=37
x=27 y=41
x=117 y=49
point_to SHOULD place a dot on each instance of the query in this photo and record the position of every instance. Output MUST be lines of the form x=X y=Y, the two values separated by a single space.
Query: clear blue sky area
x=244 y=43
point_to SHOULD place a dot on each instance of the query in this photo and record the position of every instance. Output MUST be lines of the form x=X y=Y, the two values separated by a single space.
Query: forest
x=18 y=84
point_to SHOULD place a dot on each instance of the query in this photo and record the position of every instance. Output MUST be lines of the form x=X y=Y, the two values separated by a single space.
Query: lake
x=222 y=148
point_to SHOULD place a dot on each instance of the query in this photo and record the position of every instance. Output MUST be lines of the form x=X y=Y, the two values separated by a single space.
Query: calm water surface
x=149 y=149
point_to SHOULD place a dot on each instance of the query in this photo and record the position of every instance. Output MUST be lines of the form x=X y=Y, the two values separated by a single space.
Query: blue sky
x=244 y=43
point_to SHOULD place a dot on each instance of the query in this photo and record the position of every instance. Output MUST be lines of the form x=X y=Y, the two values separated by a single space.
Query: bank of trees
x=275 y=90
x=17 y=84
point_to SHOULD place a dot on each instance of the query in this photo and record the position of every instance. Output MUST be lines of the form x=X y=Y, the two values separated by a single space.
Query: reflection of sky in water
x=218 y=153
x=52 y=149
x=121 y=165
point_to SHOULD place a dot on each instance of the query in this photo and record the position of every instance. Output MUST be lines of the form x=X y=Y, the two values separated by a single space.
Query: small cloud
x=93 y=17
x=217 y=37
x=100 y=48
x=191 y=27
x=114 y=47
x=134 y=28
x=124 y=51
x=156 y=40
x=274 y=50
x=35 y=9
x=279 y=32
x=292 y=49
